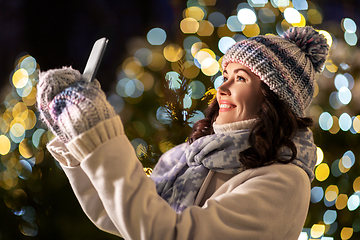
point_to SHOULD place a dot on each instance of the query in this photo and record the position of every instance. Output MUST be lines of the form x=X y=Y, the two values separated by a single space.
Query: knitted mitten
x=68 y=105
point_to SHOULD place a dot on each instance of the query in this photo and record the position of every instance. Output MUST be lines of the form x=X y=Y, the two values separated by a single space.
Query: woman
x=245 y=172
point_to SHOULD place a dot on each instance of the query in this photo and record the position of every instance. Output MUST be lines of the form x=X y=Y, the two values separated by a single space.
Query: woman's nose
x=224 y=89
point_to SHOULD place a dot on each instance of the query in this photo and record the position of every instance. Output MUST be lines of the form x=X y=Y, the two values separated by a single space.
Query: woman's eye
x=239 y=78
x=224 y=79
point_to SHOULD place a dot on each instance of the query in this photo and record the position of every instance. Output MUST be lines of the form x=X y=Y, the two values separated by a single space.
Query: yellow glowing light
x=196 y=47
x=356 y=184
x=346 y=233
x=17 y=129
x=224 y=31
x=322 y=172
x=12 y=161
x=190 y=70
x=165 y=146
x=158 y=62
x=251 y=30
x=335 y=127
x=330 y=66
x=302 y=22
x=331 y=193
x=18 y=120
x=147 y=80
x=210 y=67
x=205 y=28
x=4 y=145
x=316 y=90
x=30 y=99
x=25 y=149
x=20 y=78
x=140 y=150
x=189 y=25
x=132 y=67
x=211 y=92
x=320 y=155
x=356 y=124
x=10 y=183
x=341 y=201
x=173 y=52
x=327 y=37
x=317 y=230
x=342 y=168
x=202 y=55
x=29 y=118
x=4 y=125
x=19 y=108
x=148 y=171
x=195 y=13
x=314 y=16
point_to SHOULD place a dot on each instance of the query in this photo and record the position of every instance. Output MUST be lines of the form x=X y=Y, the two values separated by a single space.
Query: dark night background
x=61 y=33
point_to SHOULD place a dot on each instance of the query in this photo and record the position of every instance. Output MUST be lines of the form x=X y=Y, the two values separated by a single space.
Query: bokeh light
x=20 y=78
x=345 y=122
x=4 y=145
x=130 y=88
x=349 y=25
x=344 y=95
x=320 y=155
x=351 y=38
x=322 y=172
x=225 y=43
x=205 y=28
x=234 y=24
x=346 y=233
x=325 y=121
x=292 y=15
x=317 y=194
x=246 y=16
x=197 y=89
x=173 y=52
x=329 y=216
x=206 y=35
x=353 y=202
x=217 y=19
x=300 y=4
x=317 y=230
x=189 y=25
x=156 y=36
x=29 y=64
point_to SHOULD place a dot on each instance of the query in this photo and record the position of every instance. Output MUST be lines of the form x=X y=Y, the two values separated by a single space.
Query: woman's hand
x=69 y=105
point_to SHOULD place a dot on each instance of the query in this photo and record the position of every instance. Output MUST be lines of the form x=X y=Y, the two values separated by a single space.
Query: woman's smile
x=226 y=106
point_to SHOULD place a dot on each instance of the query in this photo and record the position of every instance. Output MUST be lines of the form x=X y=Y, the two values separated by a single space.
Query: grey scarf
x=181 y=171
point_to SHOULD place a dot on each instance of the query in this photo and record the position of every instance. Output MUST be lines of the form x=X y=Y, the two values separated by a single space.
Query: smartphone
x=94 y=59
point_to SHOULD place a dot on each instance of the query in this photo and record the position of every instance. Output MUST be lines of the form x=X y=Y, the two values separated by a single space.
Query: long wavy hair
x=276 y=126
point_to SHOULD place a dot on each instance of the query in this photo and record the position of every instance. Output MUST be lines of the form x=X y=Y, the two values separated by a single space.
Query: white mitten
x=69 y=105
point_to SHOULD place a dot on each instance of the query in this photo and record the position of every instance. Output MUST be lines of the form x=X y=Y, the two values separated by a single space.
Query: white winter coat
x=269 y=202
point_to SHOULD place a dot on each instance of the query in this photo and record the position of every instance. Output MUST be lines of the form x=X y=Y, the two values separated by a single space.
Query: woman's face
x=240 y=96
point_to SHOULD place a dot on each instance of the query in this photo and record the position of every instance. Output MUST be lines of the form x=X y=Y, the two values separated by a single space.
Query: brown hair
x=276 y=126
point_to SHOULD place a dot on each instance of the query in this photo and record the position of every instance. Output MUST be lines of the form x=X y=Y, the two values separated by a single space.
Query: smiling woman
x=244 y=173
x=240 y=96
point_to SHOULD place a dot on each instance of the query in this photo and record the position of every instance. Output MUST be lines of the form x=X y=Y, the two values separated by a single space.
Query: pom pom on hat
x=286 y=64
x=311 y=42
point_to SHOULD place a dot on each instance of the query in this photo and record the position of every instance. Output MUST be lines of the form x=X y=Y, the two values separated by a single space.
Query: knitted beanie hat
x=286 y=64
